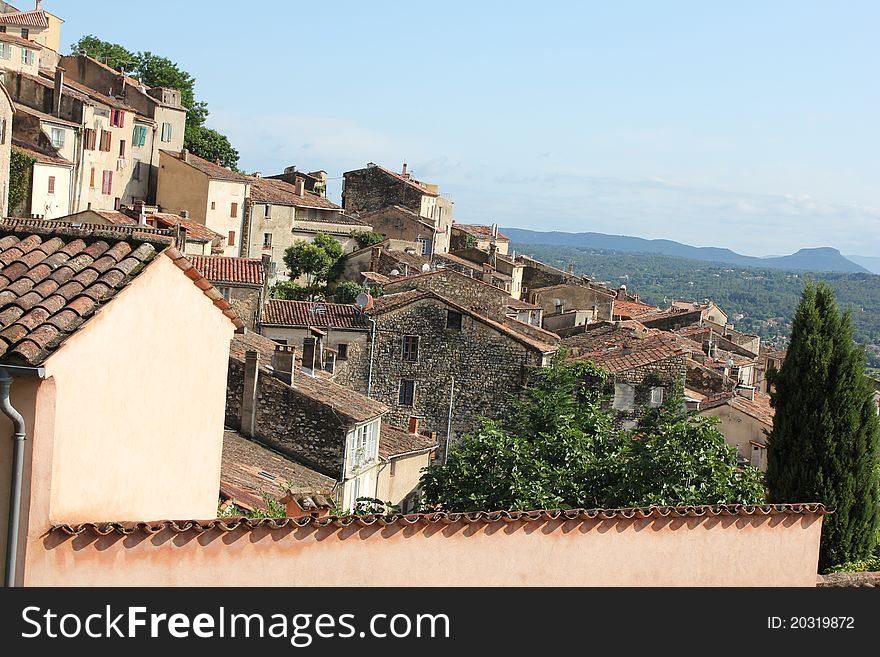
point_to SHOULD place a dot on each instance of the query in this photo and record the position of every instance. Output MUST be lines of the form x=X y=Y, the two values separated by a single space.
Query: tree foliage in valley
x=319 y=261
x=825 y=442
x=156 y=71
x=559 y=449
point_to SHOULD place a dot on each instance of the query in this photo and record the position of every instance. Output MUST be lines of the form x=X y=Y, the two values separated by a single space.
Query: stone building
x=291 y=406
x=433 y=359
x=279 y=214
x=7 y=110
x=480 y=237
x=398 y=223
x=241 y=281
x=576 y=296
x=491 y=266
x=314 y=182
x=472 y=293
x=375 y=188
x=746 y=418
x=341 y=330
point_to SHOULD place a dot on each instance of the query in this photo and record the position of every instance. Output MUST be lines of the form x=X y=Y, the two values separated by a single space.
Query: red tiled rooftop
x=479 y=231
x=213 y=171
x=631 y=309
x=25 y=19
x=280 y=312
x=396 y=441
x=635 y=353
x=279 y=192
x=6 y=37
x=40 y=156
x=54 y=277
x=224 y=269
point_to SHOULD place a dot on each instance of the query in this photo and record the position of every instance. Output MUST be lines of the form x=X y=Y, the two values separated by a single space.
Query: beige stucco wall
x=222 y=194
x=739 y=430
x=140 y=404
x=181 y=187
x=719 y=551
x=44 y=204
x=14 y=63
x=407 y=473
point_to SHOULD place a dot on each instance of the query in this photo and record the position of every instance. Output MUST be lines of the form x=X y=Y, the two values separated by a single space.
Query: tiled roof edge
x=204 y=285
x=231 y=524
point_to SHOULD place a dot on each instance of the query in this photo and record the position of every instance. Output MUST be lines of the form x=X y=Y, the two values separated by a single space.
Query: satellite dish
x=426 y=267
x=395 y=272
x=730 y=362
x=362 y=300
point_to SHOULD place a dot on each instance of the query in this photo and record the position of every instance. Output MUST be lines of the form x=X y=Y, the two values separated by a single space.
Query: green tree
x=211 y=145
x=21 y=166
x=366 y=238
x=826 y=436
x=559 y=449
x=292 y=291
x=111 y=54
x=348 y=291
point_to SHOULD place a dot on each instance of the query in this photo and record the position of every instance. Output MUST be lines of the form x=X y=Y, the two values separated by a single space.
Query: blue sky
x=750 y=125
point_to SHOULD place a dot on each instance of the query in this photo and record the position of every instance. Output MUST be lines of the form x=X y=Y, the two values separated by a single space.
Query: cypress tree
x=825 y=442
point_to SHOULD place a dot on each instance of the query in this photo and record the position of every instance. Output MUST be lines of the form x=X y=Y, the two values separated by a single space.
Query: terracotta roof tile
x=307 y=313
x=79 y=269
x=479 y=231
x=237 y=271
x=25 y=19
x=630 y=309
x=502 y=518
x=412 y=182
x=395 y=441
x=6 y=37
x=41 y=155
x=279 y=192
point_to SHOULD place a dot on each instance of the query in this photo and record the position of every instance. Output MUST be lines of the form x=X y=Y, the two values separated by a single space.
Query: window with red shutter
x=51 y=184
x=233 y=210
x=231 y=241
x=107 y=183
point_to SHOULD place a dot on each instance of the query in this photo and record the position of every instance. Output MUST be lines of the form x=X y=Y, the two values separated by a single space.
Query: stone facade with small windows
x=430 y=353
x=634 y=391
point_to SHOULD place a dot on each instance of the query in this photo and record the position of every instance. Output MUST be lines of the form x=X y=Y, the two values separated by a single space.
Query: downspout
x=18 y=438
x=449 y=421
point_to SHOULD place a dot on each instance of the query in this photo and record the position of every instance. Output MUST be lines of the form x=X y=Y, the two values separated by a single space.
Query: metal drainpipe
x=449 y=421
x=372 y=349
x=17 y=476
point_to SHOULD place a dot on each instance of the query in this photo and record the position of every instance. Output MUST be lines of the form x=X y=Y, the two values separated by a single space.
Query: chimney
x=488 y=271
x=258 y=174
x=184 y=155
x=58 y=92
x=300 y=186
x=302 y=505
x=404 y=173
x=309 y=355
x=571 y=268
x=184 y=214
x=375 y=256
x=249 y=394
x=39 y=6
x=330 y=362
x=413 y=424
x=282 y=363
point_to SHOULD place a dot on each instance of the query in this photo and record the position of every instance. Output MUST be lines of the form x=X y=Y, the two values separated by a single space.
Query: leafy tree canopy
x=366 y=238
x=348 y=291
x=211 y=145
x=825 y=442
x=559 y=449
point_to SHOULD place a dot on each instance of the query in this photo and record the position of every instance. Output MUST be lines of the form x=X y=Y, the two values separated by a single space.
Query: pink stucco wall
x=733 y=550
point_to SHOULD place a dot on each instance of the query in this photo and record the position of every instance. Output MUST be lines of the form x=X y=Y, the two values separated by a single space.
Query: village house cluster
x=131 y=256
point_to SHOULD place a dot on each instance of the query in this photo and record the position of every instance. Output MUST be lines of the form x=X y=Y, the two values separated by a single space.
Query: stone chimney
x=413 y=424
x=258 y=174
x=282 y=362
x=184 y=214
x=309 y=355
x=58 y=92
x=375 y=256
x=39 y=6
x=249 y=395
x=301 y=505
x=184 y=155
x=404 y=172
x=488 y=271
x=300 y=186
x=330 y=362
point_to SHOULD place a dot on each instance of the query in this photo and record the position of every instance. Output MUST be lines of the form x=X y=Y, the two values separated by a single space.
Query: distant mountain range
x=823 y=259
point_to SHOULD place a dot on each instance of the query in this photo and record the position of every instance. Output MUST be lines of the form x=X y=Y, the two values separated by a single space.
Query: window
x=225 y=291
x=107 y=183
x=166 y=132
x=267 y=212
x=106 y=137
x=2 y=29
x=342 y=351
x=121 y=148
x=90 y=139
x=27 y=56
x=213 y=205
x=2 y=131
x=136 y=170
x=656 y=396
x=624 y=397
x=407 y=392
x=92 y=179
x=51 y=189
x=233 y=210
x=58 y=137
x=117 y=118
x=139 y=135
x=5 y=51
x=267 y=240
x=410 y=352
x=25 y=33
x=453 y=320
x=231 y=240
x=424 y=246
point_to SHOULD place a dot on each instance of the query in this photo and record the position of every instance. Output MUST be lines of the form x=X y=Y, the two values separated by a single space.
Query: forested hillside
x=760 y=301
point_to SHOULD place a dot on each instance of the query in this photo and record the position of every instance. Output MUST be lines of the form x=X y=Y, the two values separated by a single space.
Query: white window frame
x=166 y=132
x=657 y=396
x=58 y=137
x=5 y=51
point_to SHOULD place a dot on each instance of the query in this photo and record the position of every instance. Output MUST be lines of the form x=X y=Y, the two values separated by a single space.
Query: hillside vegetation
x=760 y=301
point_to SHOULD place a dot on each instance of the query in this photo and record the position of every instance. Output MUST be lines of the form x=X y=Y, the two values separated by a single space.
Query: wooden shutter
x=51 y=184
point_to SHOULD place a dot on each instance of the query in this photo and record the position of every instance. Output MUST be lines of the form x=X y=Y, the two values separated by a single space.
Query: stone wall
x=667 y=374
x=706 y=380
x=674 y=321
x=246 y=302
x=358 y=342
x=289 y=421
x=465 y=291
x=488 y=366
x=371 y=189
x=575 y=296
